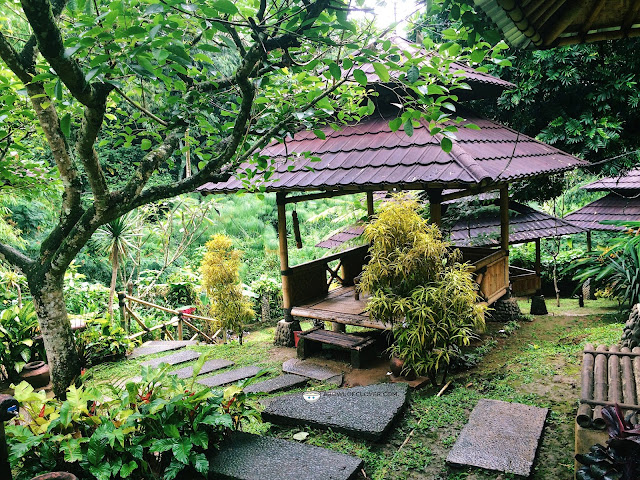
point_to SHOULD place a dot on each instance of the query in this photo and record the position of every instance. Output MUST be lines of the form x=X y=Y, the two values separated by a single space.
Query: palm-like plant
x=116 y=239
x=616 y=266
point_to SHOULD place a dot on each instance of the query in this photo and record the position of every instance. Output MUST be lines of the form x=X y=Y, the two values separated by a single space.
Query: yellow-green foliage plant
x=419 y=287
x=221 y=281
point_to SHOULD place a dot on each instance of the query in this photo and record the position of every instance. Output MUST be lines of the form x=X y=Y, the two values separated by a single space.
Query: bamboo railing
x=180 y=320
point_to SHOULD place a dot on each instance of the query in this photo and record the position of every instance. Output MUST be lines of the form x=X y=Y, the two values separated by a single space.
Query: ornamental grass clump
x=419 y=287
x=221 y=281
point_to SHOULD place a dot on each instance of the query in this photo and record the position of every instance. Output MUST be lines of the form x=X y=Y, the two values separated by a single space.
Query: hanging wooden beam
x=467 y=192
x=630 y=17
x=435 y=206
x=504 y=218
x=592 y=18
x=285 y=272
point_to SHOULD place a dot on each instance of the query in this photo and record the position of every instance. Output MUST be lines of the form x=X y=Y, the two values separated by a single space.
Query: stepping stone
x=363 y=412
x=174 y=359
x=283 y=382
x=229 y=377
x=251 y=457
x=500 y=436
x=208 y=367
x=311 y=370
x=152 y=347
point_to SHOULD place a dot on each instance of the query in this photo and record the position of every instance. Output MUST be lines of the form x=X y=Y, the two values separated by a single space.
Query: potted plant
x=18 y=329
x=419 y=287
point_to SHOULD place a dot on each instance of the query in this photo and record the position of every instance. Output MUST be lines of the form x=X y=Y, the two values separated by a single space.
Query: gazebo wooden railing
x=312 y=297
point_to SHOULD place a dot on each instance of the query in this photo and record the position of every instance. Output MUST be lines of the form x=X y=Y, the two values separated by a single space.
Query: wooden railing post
x=124 y=318
x=179 y=332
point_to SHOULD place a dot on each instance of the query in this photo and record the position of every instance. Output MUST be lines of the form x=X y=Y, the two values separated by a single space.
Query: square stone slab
x=251 y=457
x=277 y=384
x=363 y=412
x=311 y=370
x=174 y=359
x=149 y=348
x=500 y=436
x=208 y=367
x=229 y=377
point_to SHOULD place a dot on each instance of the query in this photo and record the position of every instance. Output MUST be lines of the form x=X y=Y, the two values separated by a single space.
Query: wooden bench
x=311 y=342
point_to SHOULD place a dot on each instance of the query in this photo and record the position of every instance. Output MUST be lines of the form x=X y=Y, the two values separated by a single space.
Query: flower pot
x=56 y=476
x=36 y=374
x=396 y=365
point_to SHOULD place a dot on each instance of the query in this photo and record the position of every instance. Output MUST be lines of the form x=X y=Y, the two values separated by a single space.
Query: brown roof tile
x=369 y=156
x=629 y=181
x=612 y=207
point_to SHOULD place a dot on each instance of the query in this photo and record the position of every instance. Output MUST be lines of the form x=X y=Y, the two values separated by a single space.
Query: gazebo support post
x=538 y=257
x=589 y=240
x=504 y=227
x=435 y=206
x=370 y=211
x=284 y=255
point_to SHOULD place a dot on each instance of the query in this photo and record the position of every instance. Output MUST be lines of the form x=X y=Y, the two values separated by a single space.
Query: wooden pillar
x=284 y=255
x=435 y=206
x=504 y=218
x=370 y=211
x=538 y=257
x=589 y=240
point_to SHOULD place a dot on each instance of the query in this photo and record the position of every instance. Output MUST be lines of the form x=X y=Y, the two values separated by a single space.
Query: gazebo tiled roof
x=369 y=156
x=525 y=225
x=626 y=182
x=613 y=207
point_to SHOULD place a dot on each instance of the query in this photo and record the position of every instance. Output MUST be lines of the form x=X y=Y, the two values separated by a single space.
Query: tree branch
x=89 y=129
x=15 y=257
x=141 y=108
x=42 y=20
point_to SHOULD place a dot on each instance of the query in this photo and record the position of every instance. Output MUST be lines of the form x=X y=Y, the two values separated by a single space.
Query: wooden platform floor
x=339 y=306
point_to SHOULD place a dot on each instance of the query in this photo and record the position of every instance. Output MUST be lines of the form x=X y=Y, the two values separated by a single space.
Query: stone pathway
x=208 y=367
x=277 y=384
x=157 y=346
x=173 y=359
x=311 y=370
x=500 y=436
x=364 y=412
x=229 y=377
x=251 y=457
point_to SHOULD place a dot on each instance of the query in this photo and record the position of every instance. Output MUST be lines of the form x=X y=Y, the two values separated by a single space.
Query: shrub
x=620 y=459
x=18 y=329
x=616 y=267
x=102 y=342
x=221 y=282
x=418 y=286
x=158 y=428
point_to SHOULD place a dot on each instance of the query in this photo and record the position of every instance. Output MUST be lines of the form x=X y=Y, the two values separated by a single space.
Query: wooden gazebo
x=552 y=23
x=622 y=203
x=369 y=157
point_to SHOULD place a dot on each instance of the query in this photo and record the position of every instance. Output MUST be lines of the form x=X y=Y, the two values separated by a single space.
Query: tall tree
x=293 y=64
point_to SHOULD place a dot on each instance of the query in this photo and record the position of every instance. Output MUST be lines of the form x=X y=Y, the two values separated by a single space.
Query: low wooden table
x=311 y=341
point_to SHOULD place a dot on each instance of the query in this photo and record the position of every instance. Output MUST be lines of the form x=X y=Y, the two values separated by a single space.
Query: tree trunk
x=114 y=278
x=62 y=356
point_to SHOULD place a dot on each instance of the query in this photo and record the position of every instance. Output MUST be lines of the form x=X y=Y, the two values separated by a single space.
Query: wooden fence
x=179 y=319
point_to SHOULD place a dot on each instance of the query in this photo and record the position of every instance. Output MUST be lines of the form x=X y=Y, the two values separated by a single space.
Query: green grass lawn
x=537 y=364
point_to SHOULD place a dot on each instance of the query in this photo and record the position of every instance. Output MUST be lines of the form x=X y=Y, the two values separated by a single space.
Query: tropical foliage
x=418 y=285
x=221 y=281
x=616 y=266
x=158 y=428
x=18 y=330
x=102 y=341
